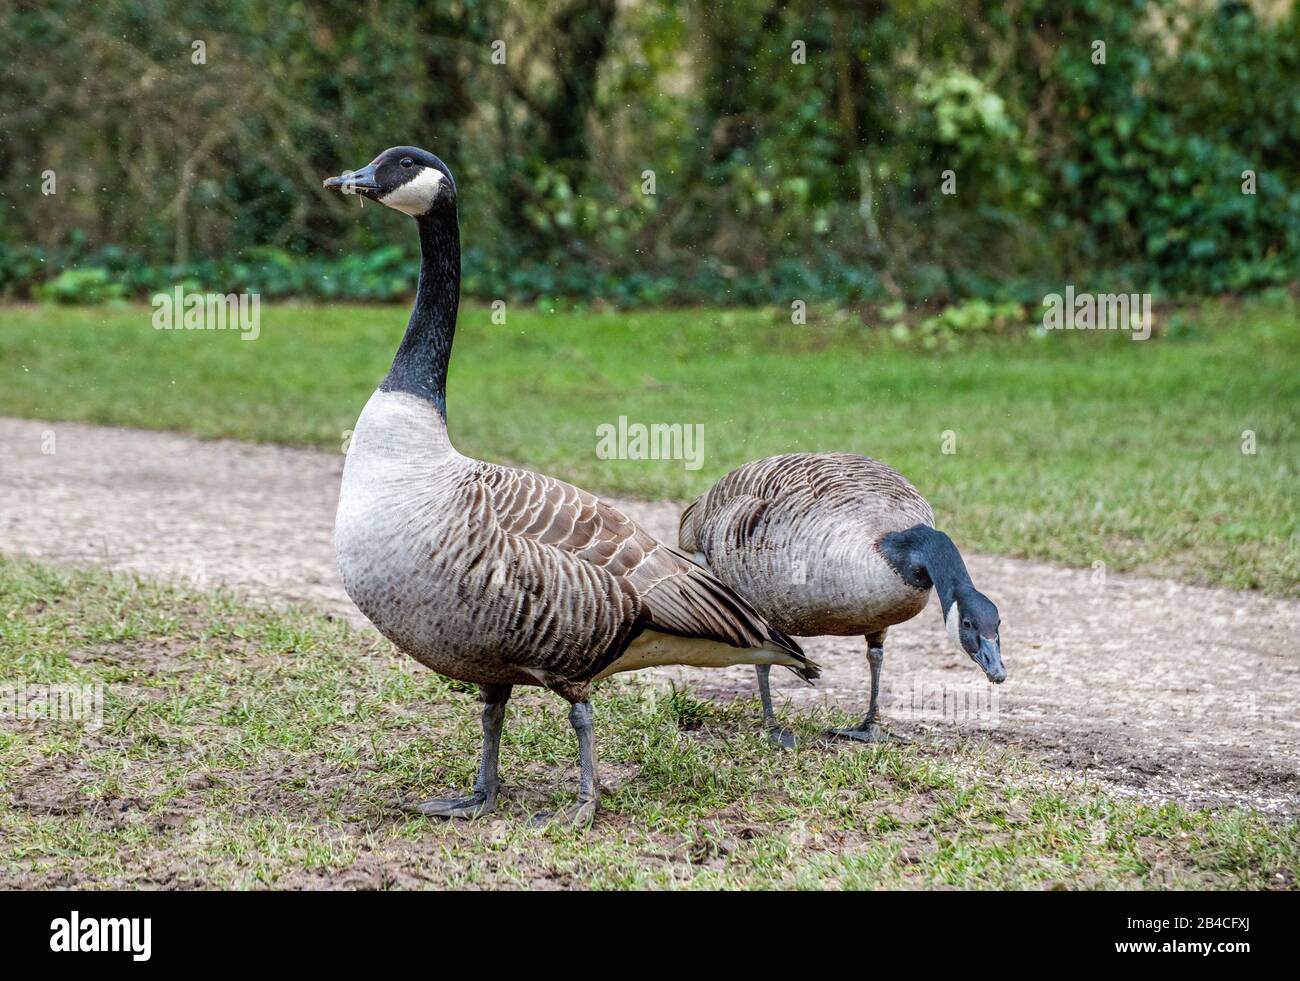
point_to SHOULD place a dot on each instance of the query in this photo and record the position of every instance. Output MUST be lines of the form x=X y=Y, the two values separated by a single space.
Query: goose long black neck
x=925 y=557
x=420 y=365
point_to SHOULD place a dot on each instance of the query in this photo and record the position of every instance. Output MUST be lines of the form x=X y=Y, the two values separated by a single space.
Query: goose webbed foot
x=477 y=804
x=581 y=813
x=780 y=736
x=872 y=732
x=483 y=799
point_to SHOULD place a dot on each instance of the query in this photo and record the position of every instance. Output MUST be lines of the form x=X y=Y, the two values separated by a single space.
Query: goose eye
x=407 y=162
x=966 y=624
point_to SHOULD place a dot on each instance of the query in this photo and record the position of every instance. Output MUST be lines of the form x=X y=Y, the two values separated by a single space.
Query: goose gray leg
x=584 y=810
x=484 y=798
x=780 y=736
x=870 y=730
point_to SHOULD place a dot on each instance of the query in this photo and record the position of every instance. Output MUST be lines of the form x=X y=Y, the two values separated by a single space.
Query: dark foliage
x=796 y=148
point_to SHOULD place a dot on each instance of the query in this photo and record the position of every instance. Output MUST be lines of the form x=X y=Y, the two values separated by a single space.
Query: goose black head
x=973 y=624
x=404 y=178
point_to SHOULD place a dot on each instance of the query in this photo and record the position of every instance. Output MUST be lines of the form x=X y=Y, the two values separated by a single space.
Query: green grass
x=248 y=747
x=1073 y=447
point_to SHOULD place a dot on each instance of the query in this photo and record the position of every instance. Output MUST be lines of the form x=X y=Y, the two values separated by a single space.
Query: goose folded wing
x=683 y=598
x=793 y=497
x=673 y=594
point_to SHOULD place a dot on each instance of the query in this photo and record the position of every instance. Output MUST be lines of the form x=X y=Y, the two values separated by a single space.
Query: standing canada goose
x=835 y=543
x=495 y=575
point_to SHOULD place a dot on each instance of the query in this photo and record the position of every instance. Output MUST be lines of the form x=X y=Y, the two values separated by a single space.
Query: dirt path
x=1154 y=687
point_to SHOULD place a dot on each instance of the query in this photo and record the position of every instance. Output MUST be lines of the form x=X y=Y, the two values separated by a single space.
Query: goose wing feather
x=670 y=592
x=805 y=495
x=794 y=533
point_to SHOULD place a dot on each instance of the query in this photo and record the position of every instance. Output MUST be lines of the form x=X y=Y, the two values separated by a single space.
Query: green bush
x=389 y=274
x=1159 y=138
x=776 y=178
x=82 y=286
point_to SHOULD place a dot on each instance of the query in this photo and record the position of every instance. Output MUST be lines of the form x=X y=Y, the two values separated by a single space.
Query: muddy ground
x=1152 y=687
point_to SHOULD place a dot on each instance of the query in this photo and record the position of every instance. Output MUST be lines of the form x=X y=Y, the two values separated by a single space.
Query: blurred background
x=794 y=148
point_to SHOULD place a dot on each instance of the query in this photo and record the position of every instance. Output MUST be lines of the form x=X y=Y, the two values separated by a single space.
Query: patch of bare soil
x=1155 y=688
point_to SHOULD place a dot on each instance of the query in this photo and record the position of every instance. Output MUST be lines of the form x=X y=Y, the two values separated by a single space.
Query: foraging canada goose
x=835 y=543
x=496 y=575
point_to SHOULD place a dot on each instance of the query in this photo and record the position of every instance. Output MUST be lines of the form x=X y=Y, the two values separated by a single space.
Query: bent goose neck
x=420 y=365
x=923 y=556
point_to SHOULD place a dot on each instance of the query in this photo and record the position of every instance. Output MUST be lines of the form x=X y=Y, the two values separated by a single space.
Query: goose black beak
x=990 y=659
x=354 y=182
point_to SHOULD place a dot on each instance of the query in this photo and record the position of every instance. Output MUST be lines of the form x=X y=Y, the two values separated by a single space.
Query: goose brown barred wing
x=588 y=539
x=767 y=500
x=795 y=535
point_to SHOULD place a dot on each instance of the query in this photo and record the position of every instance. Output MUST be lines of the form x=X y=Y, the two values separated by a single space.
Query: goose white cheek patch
x=416 y=195
x=953 y=622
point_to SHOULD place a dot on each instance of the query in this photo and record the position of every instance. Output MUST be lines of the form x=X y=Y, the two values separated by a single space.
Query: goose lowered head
x=923 y=555
x=404 y=178
x=973 y=624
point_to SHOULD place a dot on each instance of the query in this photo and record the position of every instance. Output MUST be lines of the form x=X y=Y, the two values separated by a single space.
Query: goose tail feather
x=694 y=602
x=688 y=532
x=803 y=666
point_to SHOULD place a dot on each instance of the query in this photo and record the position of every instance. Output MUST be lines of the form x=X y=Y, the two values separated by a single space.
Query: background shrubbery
x=773 y=179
